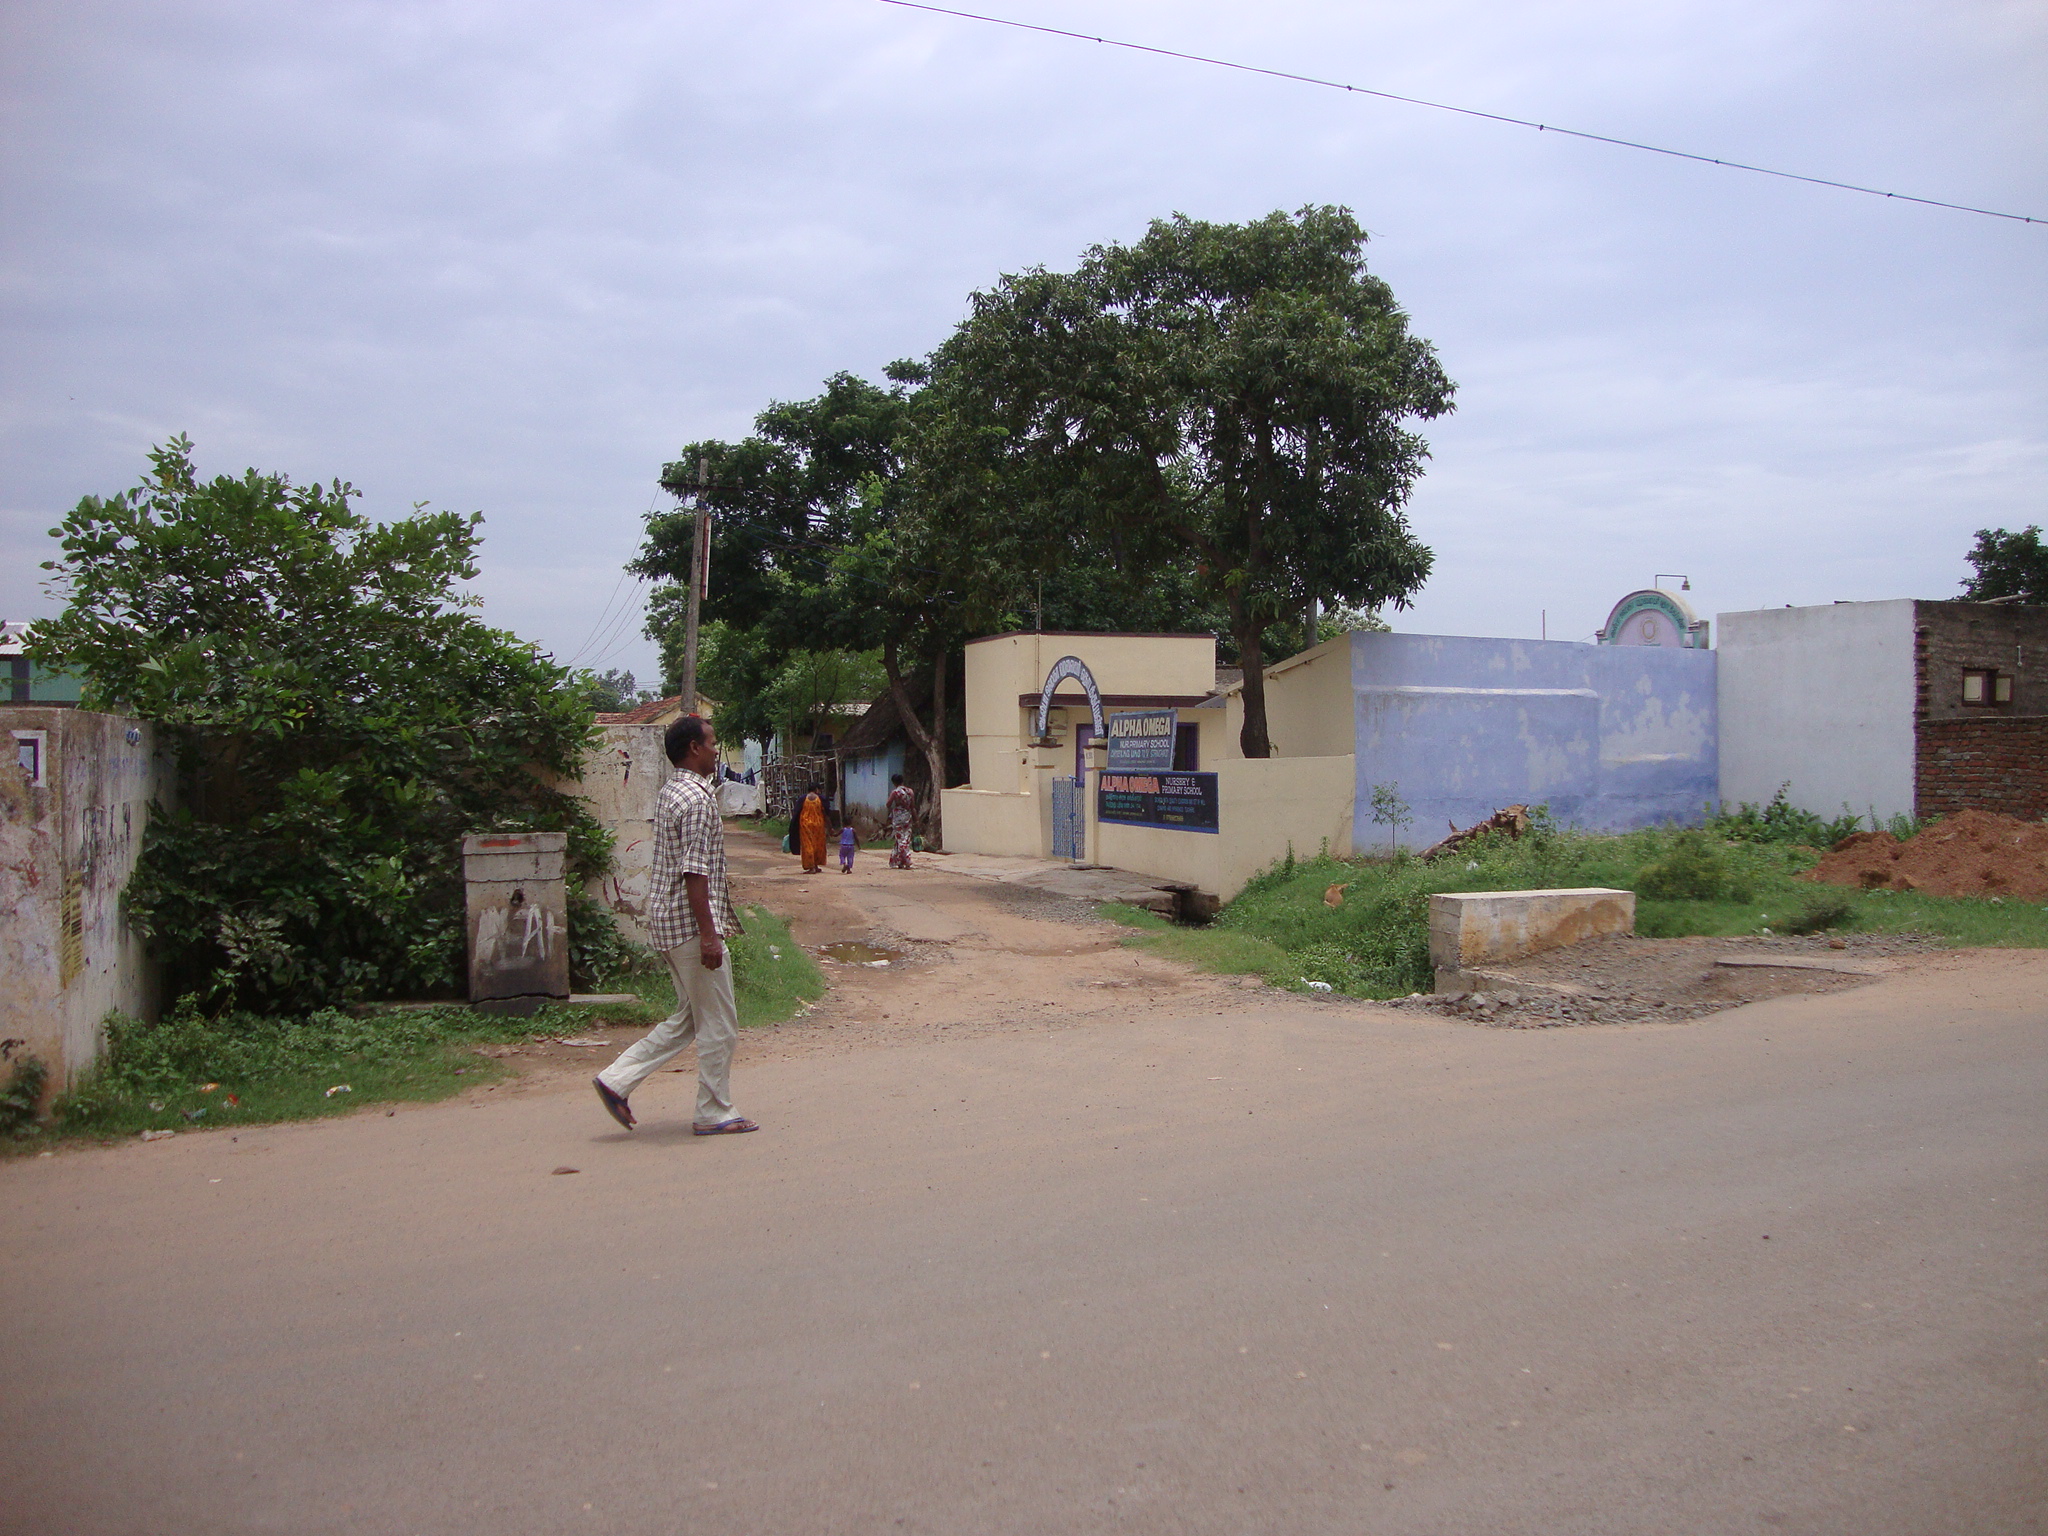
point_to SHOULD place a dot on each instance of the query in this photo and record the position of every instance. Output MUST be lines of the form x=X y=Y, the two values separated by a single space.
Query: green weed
x=193 y=1070
x=1693 y=870
x=1828 y=907
x=1375 y=943
x=22 y=1093
x=773 y=978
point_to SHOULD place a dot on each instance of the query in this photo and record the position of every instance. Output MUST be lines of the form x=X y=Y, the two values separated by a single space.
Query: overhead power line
x=1441 y=106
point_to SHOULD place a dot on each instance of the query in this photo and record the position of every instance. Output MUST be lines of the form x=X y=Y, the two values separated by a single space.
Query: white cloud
x=511 y=256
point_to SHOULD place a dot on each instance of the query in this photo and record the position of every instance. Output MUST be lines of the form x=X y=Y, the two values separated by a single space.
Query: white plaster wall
x=1823 y=698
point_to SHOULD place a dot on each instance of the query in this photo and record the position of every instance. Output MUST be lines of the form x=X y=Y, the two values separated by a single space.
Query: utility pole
x=700 y=583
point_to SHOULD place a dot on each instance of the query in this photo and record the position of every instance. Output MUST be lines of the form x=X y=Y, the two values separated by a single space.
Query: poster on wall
x=1174 y=802
x=1141 y=741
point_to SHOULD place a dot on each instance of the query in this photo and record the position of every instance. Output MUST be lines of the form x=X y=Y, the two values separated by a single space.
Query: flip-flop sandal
x=614 y=1104
x=725 y=1128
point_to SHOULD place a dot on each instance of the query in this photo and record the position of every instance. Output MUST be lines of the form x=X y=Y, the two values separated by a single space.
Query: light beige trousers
x=705 y=1014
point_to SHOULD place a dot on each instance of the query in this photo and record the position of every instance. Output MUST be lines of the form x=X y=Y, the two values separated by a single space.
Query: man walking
x=689 y=900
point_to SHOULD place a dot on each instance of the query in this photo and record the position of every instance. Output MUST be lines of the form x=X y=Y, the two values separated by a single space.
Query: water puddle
x=847 y=952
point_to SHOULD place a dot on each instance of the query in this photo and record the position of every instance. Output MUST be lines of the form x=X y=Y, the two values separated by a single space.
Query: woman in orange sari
x=810 y=833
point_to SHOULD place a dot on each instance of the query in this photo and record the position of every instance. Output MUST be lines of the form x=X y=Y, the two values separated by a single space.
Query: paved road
x=1268 y=1267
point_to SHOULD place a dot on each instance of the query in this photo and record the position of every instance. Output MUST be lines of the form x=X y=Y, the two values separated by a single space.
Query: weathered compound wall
x=68 y=844
x=1610 y=737
x=622 y=776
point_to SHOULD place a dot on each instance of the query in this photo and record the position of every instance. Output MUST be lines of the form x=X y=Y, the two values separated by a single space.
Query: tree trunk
x=1252 y=741
x=934 y=748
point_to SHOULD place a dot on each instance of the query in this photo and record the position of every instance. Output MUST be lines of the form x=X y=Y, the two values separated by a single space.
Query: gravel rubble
x=1623 y=979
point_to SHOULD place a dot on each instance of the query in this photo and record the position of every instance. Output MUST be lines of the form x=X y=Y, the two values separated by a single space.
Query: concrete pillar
x=1097 y=755
x=518 y=920
x=1042 y=760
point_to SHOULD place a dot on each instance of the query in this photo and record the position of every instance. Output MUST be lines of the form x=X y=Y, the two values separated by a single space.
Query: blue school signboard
x=1174 y=802
x=1141 y=741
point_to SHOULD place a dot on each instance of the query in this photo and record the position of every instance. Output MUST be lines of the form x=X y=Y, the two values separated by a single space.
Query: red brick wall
x=1990 y=763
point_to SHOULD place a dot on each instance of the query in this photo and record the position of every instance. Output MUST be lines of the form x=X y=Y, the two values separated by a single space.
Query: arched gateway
x=1070 y=795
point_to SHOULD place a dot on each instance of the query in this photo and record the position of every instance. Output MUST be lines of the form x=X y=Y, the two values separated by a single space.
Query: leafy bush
x=1782 y=822
x=341 y=722
x=24 y=1091
x=1905 y=825
x=597 y=950
x=1692 y=871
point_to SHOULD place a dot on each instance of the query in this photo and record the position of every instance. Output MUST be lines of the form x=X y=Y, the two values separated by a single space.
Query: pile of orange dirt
x=1972 y=853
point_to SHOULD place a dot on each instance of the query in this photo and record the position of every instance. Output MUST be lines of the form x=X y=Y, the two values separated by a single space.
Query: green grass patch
x=1225 y=951
x=2009 y=923
x=773 y=978
x=193 y=1071
x=1375 y=943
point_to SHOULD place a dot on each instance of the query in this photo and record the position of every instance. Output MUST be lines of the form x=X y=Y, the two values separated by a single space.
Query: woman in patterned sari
x=810 y=833
x=901 y=811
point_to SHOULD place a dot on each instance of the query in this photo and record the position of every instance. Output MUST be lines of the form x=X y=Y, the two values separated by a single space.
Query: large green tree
x=1230 y=399
x=342 y=720
x=2011 y=565
x=807 y=557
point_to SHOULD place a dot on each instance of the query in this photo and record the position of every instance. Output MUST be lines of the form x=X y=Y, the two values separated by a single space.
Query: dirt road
x=1164 y=1257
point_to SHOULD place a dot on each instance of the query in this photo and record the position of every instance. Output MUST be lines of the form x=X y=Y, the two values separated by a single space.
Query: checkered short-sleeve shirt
x=689 y=839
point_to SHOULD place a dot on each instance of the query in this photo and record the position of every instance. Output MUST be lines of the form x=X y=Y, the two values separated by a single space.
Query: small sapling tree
x=1389 y=810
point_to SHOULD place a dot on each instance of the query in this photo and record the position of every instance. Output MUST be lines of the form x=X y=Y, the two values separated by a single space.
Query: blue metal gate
x=1069 y=830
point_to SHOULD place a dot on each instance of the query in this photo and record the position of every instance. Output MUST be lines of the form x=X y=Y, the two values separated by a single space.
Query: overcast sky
x=509 y=257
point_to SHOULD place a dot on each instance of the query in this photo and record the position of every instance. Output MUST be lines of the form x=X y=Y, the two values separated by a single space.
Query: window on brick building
x=1983 y=686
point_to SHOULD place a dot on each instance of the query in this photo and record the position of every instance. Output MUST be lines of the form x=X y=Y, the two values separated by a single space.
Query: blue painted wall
x=1612 y=737
x=867 y=777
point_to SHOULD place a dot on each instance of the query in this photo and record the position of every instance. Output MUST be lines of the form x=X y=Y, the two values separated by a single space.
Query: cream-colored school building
x=1607 y=737
x=1301 y=797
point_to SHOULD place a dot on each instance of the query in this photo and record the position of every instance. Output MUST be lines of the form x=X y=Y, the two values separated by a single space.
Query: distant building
x=23 y=681
x=871 y=753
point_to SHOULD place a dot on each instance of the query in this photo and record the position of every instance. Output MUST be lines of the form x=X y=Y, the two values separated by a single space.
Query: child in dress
x=846 y=847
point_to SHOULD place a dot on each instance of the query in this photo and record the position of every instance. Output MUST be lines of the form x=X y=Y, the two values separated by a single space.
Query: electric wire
x=618 y=636
x=603 y=615
x=1440 y=106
